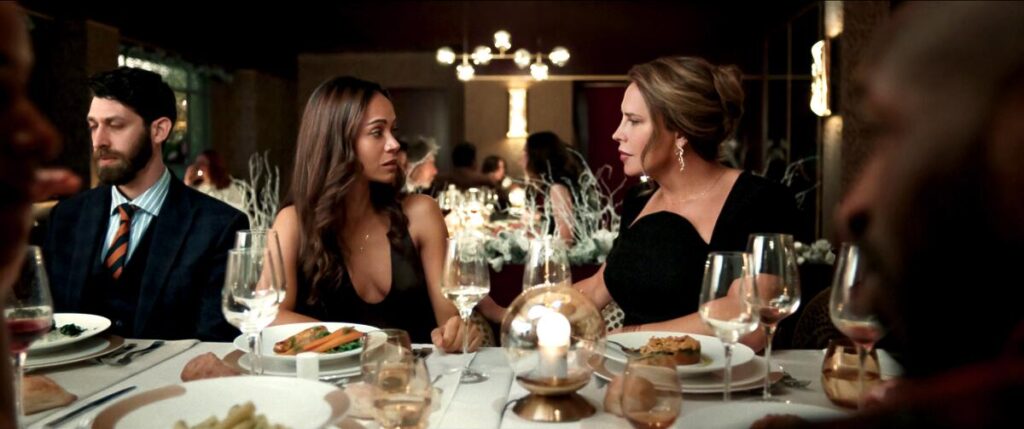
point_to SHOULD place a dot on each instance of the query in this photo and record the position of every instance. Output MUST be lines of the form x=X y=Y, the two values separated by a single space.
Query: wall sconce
x=516 y=113
x=820 y=78
x=833 y=19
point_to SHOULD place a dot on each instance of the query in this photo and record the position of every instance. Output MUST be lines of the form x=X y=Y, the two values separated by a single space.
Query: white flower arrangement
x=595 y=223
x=261 y=191
x=819 y=252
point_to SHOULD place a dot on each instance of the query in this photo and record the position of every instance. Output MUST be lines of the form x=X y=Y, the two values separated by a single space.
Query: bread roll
x=41 y=393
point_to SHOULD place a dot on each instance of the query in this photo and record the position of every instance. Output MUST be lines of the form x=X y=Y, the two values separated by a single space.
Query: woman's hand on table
x=207 y=365
x=448 y=337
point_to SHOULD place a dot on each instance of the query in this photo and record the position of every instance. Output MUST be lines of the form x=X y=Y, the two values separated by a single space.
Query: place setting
x=74 y=338
x=700 y=371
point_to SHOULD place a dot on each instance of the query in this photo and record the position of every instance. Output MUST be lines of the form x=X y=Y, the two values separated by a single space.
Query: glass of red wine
x=28 y=312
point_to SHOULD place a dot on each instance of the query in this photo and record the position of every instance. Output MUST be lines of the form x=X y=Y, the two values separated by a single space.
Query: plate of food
x=243 y=401
x=332 y=340
x=748 y=376
x=70 y=328
x=746 y=414
x=694 y=354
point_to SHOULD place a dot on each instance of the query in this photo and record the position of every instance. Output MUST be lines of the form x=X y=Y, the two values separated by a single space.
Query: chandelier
x=482 y=55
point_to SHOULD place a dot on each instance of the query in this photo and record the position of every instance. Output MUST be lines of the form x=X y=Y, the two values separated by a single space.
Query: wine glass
x=383 y=345
x=850 y=308
x=466 y=281
x=547 y=263
x=402 y=393
x=651 y=395
x=28 y=312
x=727 y=302
x=251 y=296
x=777 y=282
x=264 y=239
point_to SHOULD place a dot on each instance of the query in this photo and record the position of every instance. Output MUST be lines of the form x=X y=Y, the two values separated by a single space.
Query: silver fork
x=117 y=353
x=130 y=356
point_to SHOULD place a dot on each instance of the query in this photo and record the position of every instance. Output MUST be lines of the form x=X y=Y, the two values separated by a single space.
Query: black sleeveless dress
x=406 y=306
x=655 y=268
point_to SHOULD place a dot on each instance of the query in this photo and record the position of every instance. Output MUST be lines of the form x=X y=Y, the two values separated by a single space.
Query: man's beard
x=128 y=165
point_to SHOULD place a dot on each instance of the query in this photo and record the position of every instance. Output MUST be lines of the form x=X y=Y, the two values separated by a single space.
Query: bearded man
x=142 y=249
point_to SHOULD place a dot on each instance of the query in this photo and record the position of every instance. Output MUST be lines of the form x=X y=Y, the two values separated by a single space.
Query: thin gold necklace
x=705 y=192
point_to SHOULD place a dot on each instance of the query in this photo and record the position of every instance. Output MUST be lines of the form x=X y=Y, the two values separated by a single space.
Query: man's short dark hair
x=143 y=91
x=463 y=155
x=491 y=164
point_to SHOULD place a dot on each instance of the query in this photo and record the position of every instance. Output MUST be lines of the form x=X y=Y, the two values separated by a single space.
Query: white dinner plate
x=738 y=415
x=88 y=349
x=91 y=324
x=749 y=376
x=274 y=334
x=712 y=354
x=287 y=401
x=341 y=368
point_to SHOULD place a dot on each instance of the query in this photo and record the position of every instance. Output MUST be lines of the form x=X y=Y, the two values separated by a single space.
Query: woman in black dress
x=675 y=114
x=355 y=248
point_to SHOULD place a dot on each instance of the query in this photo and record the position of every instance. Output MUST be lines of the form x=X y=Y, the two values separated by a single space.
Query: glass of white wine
x=547 y=263
x=777 y=282
x=851 y=310
x=251 y=297
x=383 y=345
x=466 y=281
x=727 y=303
x=402 y=394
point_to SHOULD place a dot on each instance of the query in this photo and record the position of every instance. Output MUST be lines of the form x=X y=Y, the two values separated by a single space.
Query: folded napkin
x=40 y=393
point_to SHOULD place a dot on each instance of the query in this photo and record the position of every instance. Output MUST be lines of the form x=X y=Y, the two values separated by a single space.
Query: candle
x=553 y=345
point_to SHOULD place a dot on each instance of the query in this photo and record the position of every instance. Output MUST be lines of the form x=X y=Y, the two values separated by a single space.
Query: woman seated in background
x=555 y=173
x=355 y=248
x=675 y=114
x=420 y=165
x=209 y=176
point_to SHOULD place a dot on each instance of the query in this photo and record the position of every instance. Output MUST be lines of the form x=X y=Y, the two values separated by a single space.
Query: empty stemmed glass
x=727 y=302
x=547 y=263
x=28 y=312
x=251 y=296
x=851 y=309
x=777 y=282
x=466 y=281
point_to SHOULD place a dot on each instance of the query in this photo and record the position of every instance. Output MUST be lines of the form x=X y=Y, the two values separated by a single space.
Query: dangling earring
x=679 y=158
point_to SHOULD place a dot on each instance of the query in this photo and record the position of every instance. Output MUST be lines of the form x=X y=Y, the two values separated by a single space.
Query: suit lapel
x=169 y=233
x=92 y=225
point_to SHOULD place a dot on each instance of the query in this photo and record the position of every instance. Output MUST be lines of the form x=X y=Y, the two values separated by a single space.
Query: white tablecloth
x=476 y=405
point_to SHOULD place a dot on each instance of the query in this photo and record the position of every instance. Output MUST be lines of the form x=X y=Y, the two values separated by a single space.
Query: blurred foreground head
x=944 y=95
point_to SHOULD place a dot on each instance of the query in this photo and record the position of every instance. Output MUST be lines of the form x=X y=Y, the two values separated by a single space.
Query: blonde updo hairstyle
x=690 y=96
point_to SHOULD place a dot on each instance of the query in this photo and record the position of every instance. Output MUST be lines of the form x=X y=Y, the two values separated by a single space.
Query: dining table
x=484 y=405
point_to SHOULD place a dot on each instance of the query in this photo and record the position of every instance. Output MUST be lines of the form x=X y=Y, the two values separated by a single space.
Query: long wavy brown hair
x=326 y=168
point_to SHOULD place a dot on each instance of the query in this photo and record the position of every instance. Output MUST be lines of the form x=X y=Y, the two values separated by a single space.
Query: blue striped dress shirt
x=149 y=204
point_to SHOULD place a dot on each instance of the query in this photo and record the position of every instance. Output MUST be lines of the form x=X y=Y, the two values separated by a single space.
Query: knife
x=81 y=410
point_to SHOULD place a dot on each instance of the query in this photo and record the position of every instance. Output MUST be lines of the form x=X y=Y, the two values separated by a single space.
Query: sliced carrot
x=347 y=338
x=313 y=345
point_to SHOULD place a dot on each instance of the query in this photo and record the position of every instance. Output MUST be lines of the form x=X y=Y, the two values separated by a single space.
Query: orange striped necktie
x=117 y=256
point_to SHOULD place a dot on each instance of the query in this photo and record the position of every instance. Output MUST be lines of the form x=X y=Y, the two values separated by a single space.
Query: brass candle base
x=556 y=409
x=554 y=399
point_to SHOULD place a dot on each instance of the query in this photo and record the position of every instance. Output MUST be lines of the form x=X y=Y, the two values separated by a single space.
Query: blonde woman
x=676 y=112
